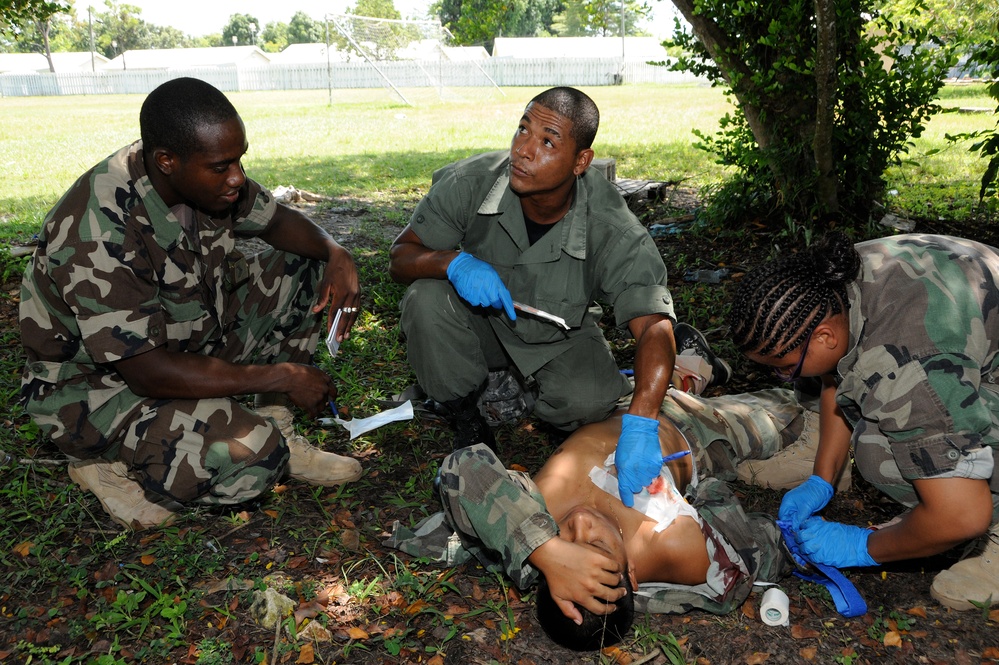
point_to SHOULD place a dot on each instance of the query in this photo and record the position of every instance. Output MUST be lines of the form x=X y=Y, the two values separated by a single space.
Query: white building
x=188 y=58
x=633 y=48
x=64 y=62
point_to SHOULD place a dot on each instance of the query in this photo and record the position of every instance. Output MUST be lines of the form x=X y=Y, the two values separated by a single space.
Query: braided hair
x=779 y=304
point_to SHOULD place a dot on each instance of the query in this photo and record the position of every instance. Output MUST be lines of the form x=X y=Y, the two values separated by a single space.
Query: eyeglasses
x=793 y=375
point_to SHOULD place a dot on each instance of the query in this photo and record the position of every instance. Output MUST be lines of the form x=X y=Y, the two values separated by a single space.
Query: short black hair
x=575 y=106
x=172 y=114
x=596 y=632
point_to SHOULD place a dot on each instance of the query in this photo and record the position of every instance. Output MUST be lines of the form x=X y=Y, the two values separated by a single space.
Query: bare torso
x=676 y=554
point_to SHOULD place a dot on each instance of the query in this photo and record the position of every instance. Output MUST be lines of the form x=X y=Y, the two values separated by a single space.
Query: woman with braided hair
x=904 y=334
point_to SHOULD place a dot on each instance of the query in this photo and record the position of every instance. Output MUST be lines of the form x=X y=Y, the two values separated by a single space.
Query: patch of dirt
x=903 y=624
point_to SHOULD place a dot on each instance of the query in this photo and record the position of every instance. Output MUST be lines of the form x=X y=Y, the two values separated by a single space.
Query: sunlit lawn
x=370 y=145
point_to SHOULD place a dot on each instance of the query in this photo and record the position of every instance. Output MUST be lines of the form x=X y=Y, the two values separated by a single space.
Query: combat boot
x=318 y=467
x=123 y=498
x=973 y=579
x=792 y=465
x=469 y=425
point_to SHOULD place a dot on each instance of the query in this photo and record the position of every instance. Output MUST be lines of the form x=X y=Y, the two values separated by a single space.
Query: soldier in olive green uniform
x=904 y=332
x=141 y=321
x=535 y=225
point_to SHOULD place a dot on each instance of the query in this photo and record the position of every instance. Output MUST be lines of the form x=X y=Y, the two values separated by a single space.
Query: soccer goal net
x=402 y=53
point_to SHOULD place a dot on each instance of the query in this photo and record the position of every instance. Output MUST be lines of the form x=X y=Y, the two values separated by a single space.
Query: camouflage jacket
x=924 y=357
x=115 y=274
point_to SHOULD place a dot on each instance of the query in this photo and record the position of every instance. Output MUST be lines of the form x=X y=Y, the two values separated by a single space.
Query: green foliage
x=883 y=96
x=986 y=141
x=241 y=30
x=481 y=21
x=581 y=18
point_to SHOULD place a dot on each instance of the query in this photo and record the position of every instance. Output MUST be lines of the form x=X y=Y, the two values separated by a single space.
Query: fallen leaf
x=297 y=562
x=356 y=633
x=314 y=632
x=417 y=606
x=518 y=467
x=279 y=489
x=307 y=654
x=917 y=634
x=351 y=539
x=807 y=653
x=243 y=515
x=436 y=660
x=994 y=615
x=799 y=632
x=617 y=655
x=455 y=610
x=22 y=549
x=147 y=559
x=892 y=639
x=991 y=652
x=749 y=610
x=919 y=611
x=273 y=514
x=477 y=592
x=756 y=658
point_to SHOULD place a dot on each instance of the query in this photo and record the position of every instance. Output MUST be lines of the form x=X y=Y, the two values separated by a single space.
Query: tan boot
x=792 y=465
x=318 y=467
x=123 y=498
x=973 y=579
x=282 y=417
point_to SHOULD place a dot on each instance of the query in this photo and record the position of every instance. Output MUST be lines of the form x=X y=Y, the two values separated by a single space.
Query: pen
x=336 y=412
x=676 y=456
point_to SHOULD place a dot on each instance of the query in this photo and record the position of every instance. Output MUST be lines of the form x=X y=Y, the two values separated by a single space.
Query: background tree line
x=829 y=93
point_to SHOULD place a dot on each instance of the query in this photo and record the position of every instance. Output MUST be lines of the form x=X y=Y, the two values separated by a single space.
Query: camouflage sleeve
x=500 y=515
x=930 y=408
x=743 y=548
x=254 y=210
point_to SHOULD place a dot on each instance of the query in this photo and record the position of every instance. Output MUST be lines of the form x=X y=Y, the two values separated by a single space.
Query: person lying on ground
x=686 y=544
x=142 y=323
x=904 y=333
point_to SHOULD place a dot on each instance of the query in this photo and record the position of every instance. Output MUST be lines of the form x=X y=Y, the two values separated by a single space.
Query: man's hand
x=638 y=457
x=341 y=289
x=804 y=501
x=478 y=283
x=309 y=388
x=834 y=544
x=578 y=575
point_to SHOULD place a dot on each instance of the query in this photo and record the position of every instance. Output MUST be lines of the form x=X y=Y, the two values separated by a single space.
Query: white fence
x=403 y=74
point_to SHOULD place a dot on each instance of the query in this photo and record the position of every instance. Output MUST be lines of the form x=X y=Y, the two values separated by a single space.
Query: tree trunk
x=825 y=103
x=43 y=29
x=735 y=71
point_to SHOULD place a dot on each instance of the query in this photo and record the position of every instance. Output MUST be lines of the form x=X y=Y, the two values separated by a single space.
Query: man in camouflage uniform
x=141 y=321
x=706 y=558
x=909 y=366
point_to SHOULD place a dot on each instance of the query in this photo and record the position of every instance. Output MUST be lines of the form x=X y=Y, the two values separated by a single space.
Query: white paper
x=664 y=506
x=331 y=342
x=359 y=426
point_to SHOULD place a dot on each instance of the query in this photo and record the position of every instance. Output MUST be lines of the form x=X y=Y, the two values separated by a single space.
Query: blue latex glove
x=478 y=283
x=834 y=544
x=638 y=457
x=804 y=501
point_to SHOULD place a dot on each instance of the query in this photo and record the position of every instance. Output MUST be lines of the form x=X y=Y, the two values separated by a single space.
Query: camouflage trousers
x=217 y=451
x=499 y=516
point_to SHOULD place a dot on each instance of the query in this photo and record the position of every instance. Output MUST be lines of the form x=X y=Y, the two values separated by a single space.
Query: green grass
x=365 y=146
x=146 y=597
x=370 y=146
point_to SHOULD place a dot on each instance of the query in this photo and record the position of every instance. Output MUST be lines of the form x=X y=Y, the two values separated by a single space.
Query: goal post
x=380 y=40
